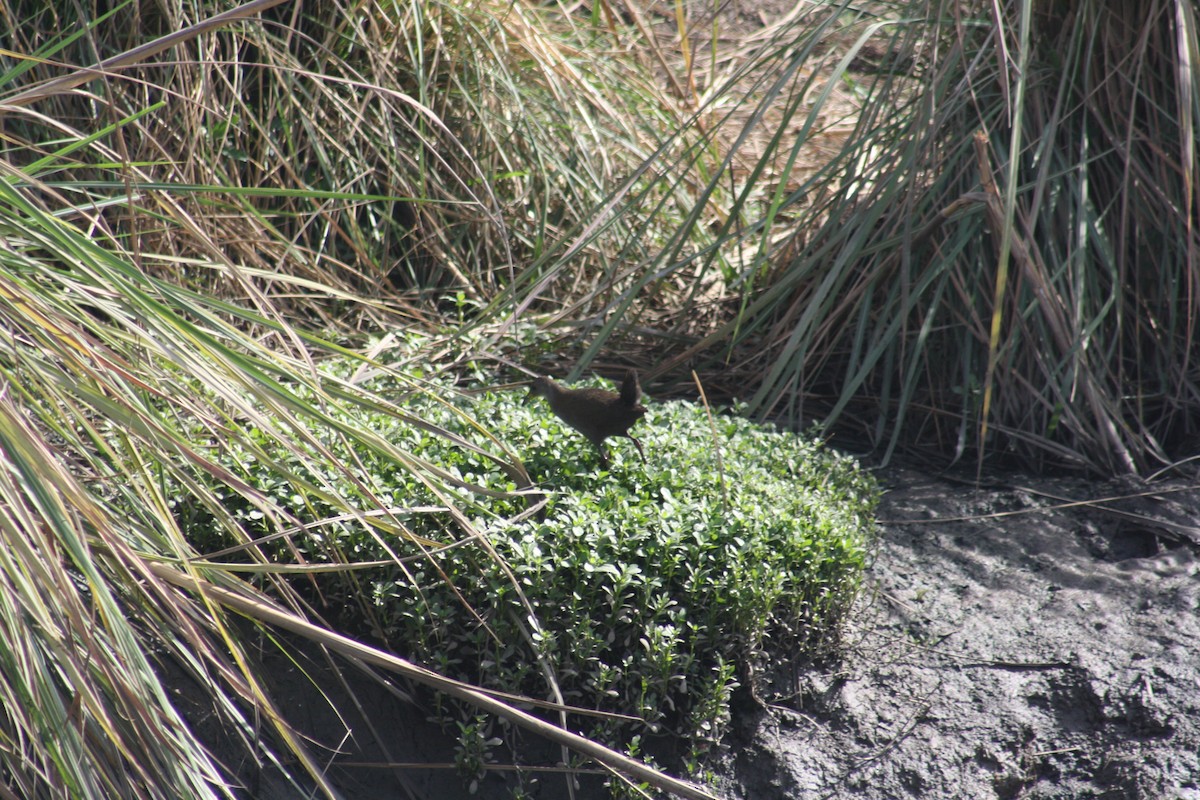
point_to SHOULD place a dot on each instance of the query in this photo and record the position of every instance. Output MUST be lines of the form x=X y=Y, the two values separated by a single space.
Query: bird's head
x=539 y=388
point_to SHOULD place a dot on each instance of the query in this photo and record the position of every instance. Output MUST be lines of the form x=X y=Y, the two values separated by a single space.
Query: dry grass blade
x=108 y=66
x=76 y=678
x=272 y=615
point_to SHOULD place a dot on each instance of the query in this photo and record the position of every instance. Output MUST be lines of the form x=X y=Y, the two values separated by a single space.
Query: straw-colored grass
x=998 y=261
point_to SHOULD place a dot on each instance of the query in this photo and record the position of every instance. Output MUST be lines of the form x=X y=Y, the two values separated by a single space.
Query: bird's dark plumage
x=596 y=413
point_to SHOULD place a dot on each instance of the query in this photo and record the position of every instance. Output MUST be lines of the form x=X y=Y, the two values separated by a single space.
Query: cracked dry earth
x=1009 y=646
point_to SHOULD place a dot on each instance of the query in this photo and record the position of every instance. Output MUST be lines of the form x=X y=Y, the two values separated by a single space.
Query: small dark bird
x=596 y=413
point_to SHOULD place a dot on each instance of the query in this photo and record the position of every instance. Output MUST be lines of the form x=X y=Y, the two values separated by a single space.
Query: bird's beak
x=528 y=397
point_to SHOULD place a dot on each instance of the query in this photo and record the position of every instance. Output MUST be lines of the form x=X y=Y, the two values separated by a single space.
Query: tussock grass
x=996 y=260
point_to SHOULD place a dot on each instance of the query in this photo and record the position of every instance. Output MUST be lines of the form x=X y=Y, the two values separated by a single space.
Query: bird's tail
x=631 y=390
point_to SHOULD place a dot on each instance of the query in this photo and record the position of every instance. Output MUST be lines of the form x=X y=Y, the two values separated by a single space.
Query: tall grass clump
x=407 y=152
x=997 y=259
x=1014 y=282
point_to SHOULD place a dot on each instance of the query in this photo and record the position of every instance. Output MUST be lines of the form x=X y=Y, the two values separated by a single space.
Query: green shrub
x=649 y=584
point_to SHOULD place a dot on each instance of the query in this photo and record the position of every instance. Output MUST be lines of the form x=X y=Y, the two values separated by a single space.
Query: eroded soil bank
x=1010 y=646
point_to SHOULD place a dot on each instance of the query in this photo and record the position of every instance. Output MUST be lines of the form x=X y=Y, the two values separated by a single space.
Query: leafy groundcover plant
x=643 y=590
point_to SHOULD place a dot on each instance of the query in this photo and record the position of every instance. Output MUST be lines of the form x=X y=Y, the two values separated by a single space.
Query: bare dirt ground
x=1007 y=649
